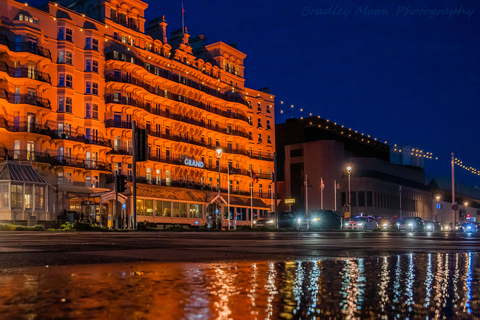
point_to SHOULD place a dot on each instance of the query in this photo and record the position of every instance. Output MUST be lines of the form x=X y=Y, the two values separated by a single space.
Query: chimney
x=157 y=29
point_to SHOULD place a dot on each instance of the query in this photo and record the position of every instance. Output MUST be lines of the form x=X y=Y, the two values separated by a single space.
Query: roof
x=245 y=202
x=17 y=172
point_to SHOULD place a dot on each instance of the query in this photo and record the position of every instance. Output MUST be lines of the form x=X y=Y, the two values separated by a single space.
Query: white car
x=361 y=223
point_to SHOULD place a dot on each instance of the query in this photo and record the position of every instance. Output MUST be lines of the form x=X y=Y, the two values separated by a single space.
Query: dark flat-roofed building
x=323 y=150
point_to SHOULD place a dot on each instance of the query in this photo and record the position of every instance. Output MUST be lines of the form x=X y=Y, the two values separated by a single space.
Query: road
x=30 y=249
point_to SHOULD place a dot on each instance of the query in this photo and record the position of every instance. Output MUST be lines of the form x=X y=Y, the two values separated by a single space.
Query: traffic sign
x=455 y=207
x=289 y=201
x=469 y=216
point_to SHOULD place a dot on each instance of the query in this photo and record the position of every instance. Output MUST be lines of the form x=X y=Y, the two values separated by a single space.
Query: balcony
x=124 y=22
x=164 y=134
x=23 y=72
x=15 y=98
x=157 y=111
x=175 y=97
x=31 y=47
x=177 y=78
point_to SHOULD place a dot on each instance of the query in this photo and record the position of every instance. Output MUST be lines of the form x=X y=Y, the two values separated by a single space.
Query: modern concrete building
x=322 y=151
x=74 y=75
x=467 y=199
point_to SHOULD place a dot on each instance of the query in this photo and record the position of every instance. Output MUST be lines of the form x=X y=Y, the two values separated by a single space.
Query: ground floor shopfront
x=162 y=206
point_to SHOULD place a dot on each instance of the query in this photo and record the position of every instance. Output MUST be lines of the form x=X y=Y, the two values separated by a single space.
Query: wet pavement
x=413 y=286
x=239 y=276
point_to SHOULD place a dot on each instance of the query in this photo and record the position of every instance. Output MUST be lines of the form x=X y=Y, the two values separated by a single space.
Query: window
x=183 y=210
x=61 y=79
x=68 y=58
x=68 y=34
x=176 y=210
x=61 y=104
x=259 y=137
x=4 y=196
x=61 y=56
x=166 y=209
x=95 y=44
x=132 y=41
x=68 y=104
x=16 y=196
x=28 y=197
x=361 y=198
x=148 y=207
x=61 y=33
x=88 y=43
x=69 y=81
x=39 y=197
x=268 y=139
x=124 y=39
x=353 y=198
x=88 y=65
x=259 y=123
x=88 y=110
x=369 y=199
x=88 y=87
x=95 y=111
x=95 y=66
x=95 y=88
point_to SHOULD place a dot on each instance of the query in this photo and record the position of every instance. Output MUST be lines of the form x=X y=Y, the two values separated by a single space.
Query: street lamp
x=437 y=207
x=349 y=170
x=219 y=152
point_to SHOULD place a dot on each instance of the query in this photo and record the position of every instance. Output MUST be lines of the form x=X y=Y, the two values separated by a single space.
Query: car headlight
x=318 y=219
x=385 y=225
x=398 y=224
x=410 y=224
x=360 y=224
x=299 y=220
x=346 y=223
x=429 y=227
x=254 y=221
x=270 y=221
x=469 y=227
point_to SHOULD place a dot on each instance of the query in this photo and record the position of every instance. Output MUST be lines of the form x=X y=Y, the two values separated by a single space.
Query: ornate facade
x=73 y=78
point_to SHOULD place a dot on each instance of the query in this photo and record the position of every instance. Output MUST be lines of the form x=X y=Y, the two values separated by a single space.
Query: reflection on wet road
x=414 y=286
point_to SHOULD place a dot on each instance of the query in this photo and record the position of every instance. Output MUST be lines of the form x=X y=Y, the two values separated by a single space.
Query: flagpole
x=228 y=193
x=321 y=193
x=183 y=20
x=306 y=199
x=251 y=198
x=335 y=189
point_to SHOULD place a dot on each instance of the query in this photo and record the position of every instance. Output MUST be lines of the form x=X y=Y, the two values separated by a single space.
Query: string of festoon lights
x=286 y=108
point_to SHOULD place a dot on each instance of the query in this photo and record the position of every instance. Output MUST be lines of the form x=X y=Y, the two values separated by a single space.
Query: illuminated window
x=95 y=111
x=68 y=104
x=68 y=58
x=16 y=196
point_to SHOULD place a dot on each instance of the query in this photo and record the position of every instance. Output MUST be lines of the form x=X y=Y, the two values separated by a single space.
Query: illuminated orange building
x=75 y=75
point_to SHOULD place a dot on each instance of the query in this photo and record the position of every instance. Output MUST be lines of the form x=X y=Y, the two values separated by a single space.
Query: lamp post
x=219 y=152
x=466 y=209
x=349 y=170
x=437 y=208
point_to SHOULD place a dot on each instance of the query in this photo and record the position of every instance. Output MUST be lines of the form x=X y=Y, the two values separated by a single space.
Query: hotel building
x=73 y=78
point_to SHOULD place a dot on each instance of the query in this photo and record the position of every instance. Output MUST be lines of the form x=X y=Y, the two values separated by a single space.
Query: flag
x=233 y=170
x=308 y=183
x=254 y=177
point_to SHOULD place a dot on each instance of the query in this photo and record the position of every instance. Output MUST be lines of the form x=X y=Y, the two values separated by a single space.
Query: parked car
x=446 y=226
x=287 y=220
x=432 y=226
x=361 y=223
x=388 y=224
x=412 y=224
x=321 y=220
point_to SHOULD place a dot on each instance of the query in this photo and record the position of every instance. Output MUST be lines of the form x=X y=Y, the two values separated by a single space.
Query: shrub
x=38 y=227
x=142 y=226
x=7 y=227
x=66 y=226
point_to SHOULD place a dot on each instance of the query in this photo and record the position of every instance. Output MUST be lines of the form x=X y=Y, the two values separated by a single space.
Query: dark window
x=369 y=199
x=361 y=198
x=344 y=200
x=296 y=153
x=353 y=196
x=69 y=35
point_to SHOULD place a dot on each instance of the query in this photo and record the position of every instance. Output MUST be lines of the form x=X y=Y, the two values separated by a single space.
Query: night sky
x=409 y=79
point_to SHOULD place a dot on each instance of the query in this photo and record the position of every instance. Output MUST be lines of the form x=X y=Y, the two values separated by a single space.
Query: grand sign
x=194 y=163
